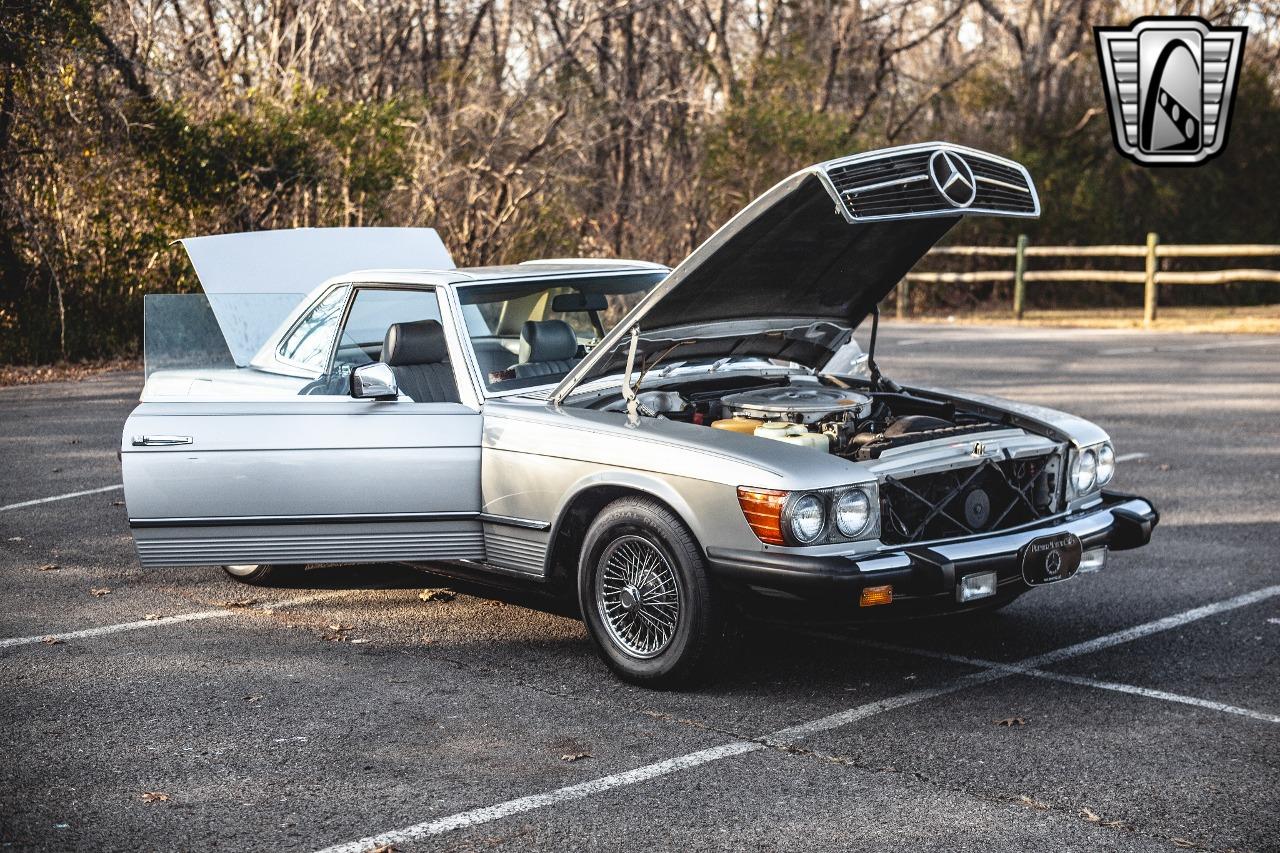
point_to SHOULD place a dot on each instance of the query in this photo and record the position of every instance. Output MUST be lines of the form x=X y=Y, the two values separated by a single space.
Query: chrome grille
x=899 y=183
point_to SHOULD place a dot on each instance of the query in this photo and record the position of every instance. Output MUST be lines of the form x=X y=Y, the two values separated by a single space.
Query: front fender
x=709 y=510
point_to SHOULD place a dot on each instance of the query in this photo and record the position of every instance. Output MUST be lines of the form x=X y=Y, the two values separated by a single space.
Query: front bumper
x=930 y=572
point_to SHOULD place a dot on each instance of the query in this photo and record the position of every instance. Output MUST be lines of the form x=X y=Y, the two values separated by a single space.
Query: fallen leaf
x=384 y=848
x=437 y=595
x=334 y=638
x=1164 y=467
x=253 y=697
x=50 y=567
x=51 y=641
x=98 y=592
x=575 y=756
x=240 y=602
x=1035 y=804
x=1089 y=815
x=155 y=797
x=151 y=617
x=1183 y=842
x=339 y=627
x=1115 y=824
x=1011 y=721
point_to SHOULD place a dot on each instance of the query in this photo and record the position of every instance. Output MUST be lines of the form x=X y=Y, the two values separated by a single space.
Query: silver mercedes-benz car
x=672 y=445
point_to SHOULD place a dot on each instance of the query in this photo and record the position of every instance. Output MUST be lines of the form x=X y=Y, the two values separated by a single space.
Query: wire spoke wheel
x=638 y=596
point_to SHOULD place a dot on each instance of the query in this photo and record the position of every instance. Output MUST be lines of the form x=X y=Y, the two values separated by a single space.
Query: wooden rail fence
x=1150 y=277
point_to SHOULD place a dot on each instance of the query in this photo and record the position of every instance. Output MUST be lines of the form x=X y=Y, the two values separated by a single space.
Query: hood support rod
x=878 y=381
x=871 y=349
x=628 y=392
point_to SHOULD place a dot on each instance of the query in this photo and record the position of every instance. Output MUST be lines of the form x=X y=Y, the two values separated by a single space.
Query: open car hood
x=255 y=279
x=799 y=268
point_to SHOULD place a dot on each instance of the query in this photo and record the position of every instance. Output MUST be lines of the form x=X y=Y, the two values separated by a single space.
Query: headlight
x=1084 y=471
x=1106 y=464
x=818 y=517
x=853 y=513
x=805 y=519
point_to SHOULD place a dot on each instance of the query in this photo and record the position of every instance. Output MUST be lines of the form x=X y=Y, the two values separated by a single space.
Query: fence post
x=1019 y=282
x=904 y=298
x=1149 y=297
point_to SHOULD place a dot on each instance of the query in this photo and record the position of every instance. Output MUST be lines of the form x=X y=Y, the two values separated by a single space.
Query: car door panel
x=305 y=480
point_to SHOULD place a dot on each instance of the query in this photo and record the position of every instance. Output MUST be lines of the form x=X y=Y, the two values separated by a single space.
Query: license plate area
x=1051 y=558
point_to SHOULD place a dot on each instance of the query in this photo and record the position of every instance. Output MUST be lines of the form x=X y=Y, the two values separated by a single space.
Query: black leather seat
x=417 y=355
x=553 y=348
x=492 y=356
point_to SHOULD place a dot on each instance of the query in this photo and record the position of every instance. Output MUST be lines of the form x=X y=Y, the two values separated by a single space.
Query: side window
x=309 y=343
x=372 y=312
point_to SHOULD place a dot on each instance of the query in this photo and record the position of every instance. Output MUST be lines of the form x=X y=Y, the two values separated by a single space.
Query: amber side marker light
x=873 y=595
x=763 y=510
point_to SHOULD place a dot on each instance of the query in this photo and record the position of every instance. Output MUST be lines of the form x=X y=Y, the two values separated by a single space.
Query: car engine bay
x=853 y=424
x=983 y=492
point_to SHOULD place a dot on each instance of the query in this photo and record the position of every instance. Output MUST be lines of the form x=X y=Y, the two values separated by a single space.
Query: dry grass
x=22 y=374
x=1251 y=320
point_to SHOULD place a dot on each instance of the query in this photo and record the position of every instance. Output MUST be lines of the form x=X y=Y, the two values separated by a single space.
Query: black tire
x=263 y=575
x=696 y=634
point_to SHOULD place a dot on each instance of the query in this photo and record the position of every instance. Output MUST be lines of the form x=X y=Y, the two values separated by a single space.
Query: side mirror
x=374 y=381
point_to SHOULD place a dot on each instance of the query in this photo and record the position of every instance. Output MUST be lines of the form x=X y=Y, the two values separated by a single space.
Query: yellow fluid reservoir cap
x=743 y=425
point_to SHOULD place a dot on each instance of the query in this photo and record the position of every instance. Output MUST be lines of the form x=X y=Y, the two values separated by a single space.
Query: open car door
x=289 y=478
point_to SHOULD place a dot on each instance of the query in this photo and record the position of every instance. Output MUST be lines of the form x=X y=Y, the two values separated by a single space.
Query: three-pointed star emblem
x=953 y=178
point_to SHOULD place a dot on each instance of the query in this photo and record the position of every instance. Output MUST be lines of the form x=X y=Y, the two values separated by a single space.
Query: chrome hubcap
x=637 y=596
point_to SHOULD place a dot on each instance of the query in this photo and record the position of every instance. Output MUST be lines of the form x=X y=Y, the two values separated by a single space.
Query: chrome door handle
x=160 y=440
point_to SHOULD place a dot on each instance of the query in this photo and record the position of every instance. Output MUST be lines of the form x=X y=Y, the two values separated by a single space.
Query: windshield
x=532 y=333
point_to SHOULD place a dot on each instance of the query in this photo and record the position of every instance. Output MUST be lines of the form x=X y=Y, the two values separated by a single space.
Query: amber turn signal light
x=873 y=595
x=763 y=510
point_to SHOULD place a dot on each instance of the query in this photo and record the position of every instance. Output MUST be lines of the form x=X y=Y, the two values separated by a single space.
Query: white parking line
x=115 y=629
x=1081 y=681
x=1129 y=457
x=1156 y=694
x=62 y=497
x=782 y=737
x=1191 y=347
x=1234 y=344
x=1147 y=629
x=170 y=620
x=580 y=791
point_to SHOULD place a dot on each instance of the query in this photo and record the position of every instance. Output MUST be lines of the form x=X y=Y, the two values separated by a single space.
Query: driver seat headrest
x=549 y=340
x=419 y=342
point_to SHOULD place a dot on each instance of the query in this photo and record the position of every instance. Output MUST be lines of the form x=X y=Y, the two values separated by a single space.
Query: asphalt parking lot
x=1132 y=709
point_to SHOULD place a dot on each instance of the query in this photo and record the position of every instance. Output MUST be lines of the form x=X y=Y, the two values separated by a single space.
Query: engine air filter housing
x=797 y=404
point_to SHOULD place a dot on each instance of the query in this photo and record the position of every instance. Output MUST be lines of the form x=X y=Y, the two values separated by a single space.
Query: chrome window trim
x=460 y=355
x=279 y=357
